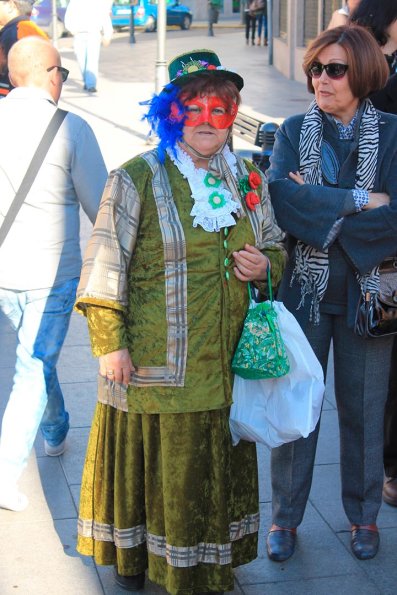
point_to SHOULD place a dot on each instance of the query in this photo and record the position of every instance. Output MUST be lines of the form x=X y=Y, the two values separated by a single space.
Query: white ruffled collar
x=213 y=202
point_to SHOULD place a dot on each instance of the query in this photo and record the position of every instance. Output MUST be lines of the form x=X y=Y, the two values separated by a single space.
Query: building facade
x=199 y=8
x=295 y=23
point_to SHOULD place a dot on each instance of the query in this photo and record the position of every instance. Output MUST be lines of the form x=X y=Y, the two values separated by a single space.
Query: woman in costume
x=333 y=185
x=180 y=231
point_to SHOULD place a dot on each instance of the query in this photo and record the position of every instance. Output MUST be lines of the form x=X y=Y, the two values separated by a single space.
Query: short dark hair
x=205 y=83
x=376 y=16
x=368 y=70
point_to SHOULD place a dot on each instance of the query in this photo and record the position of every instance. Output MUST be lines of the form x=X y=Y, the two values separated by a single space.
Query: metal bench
x=247 y=127
x=257 y=132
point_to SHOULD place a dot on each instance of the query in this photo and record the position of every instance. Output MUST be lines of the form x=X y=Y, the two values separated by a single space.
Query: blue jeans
x=87 y=48
x=262 y=22
x=41 y=318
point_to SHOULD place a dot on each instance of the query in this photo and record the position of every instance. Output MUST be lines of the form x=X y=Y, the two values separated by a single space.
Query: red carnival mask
x=210 y=110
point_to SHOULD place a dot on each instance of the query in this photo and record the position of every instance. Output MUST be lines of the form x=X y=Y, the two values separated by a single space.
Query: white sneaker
x=54 y=451
x=12 y=499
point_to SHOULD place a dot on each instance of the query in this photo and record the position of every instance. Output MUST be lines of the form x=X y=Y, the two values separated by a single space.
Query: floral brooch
x=248 y=185
x=195 y=66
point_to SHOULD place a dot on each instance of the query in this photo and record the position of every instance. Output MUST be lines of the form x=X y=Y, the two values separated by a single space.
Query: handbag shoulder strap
x=32 y=171
x=269 y=285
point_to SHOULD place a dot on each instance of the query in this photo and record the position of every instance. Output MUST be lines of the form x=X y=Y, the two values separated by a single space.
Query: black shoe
x=281 y=544
x=365 y=541
x=390 y=491
x=130 y=583
x=91 y=90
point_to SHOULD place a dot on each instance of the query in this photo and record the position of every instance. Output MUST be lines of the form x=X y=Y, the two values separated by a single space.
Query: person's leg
x=55 y=420
x=390 y=447
x=260 y=24
x=292 y=463
x=210 y=22
x=361 y=383
x=92 y=63
x=292 y=466
x=247 y=26
x=253 y=28
x=11 y=303
x=265 y=29
x=80 y=50
x=41 y=332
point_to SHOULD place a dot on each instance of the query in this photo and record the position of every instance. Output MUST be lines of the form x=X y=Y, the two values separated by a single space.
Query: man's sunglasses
x=64 y=71
x=334 y=70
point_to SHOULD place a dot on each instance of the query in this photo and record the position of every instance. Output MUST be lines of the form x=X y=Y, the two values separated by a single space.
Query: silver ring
x=109 y=372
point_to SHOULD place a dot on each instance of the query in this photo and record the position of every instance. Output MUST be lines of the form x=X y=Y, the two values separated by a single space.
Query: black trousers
x=250 y=24
x=390 y=447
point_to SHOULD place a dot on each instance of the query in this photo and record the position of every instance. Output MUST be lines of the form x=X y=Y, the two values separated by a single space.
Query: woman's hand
x=251 y=264
x=376 y=199
x=116 y=366
x=296 y=177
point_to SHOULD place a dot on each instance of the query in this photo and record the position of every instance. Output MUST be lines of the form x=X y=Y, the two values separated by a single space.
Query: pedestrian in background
x=214 y=7
x=261 y=20
x=340 y=17
x=164 y=288
x=15 y=24
x=90 y=23
x=380 y=18
x=40 y=257
x=250 y=21
x=336 y=166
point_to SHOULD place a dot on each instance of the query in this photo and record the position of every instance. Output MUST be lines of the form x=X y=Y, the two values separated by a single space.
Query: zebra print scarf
x=311 y=266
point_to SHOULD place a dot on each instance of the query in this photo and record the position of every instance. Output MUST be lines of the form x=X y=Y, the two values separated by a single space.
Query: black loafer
x=130 y=583
x=281 y=544
x=365 y=541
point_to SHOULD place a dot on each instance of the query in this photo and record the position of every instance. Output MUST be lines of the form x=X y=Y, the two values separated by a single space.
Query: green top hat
x=191 y=64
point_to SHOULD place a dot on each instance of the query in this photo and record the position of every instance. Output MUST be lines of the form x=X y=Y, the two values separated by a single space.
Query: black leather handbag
x=377 y=315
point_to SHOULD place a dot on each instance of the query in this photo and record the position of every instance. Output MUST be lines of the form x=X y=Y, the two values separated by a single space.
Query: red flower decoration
x=252 y=199
x=254 y=180
x=211 y=67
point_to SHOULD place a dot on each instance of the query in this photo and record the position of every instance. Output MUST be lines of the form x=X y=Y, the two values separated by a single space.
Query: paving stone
x=56 y=489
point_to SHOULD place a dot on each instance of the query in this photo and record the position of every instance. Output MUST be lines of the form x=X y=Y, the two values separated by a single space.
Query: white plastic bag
x=274 y=411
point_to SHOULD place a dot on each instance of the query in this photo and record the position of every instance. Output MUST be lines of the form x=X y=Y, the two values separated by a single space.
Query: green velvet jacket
x=182 y=309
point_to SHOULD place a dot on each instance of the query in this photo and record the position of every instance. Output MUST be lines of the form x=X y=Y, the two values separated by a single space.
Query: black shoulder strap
x=32 y=171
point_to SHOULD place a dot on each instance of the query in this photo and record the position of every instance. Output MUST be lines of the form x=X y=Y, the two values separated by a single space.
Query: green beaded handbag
x=261 y=351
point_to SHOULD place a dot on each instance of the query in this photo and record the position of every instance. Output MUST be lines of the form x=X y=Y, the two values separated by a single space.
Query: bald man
x=15 y=24
x=40 y=257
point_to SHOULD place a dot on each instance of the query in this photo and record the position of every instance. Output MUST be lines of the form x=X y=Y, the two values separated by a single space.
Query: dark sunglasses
x=64 y=71
x=334 y=70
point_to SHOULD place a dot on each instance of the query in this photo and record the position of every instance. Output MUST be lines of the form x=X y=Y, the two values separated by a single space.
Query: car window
x=155 y=2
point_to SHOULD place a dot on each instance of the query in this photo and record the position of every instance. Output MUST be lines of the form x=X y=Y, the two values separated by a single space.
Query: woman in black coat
x=333 y=185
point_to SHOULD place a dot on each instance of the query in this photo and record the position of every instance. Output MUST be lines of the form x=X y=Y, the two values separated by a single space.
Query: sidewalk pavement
x=37 y=546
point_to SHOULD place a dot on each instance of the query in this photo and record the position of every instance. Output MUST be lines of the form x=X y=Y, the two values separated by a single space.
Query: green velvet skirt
x=169 y=493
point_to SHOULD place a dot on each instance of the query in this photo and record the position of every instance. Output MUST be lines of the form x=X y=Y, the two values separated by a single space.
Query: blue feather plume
x=166 y=117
